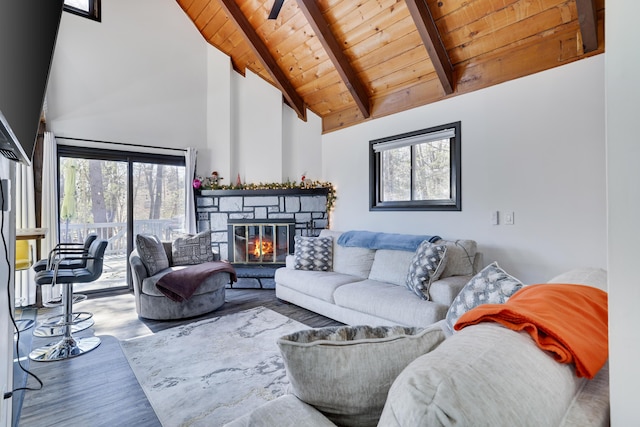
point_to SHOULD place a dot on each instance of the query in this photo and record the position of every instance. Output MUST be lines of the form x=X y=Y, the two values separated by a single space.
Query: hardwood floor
x=99 y=388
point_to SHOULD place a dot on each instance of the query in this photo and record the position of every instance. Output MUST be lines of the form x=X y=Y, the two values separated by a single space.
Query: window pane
x=78 y=4
x=432 y=170
x=158 y=199
x=396 y=174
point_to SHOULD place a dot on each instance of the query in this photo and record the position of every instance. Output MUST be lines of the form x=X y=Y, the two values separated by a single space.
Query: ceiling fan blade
x=275 y=10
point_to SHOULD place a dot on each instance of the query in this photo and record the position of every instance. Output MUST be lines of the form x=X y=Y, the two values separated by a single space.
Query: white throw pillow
x=492 y=285
x=345 y=372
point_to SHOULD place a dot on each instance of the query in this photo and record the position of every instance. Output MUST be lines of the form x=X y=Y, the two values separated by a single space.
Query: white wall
x=622 y=67
x=534 y=146
x=145 y=75
x=7 y=171
x=136 y=77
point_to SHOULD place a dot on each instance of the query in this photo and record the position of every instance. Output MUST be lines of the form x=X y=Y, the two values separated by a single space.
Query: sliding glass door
x=117 y=195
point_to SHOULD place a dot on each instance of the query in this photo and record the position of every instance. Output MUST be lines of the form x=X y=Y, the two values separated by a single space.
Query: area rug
x=211 y=372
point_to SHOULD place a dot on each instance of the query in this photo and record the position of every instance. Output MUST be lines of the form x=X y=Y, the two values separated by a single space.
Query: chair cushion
x=152 y=253
x=345 y=372
x=190 y=249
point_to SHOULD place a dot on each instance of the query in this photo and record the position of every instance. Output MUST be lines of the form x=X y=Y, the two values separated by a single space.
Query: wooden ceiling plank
x=341 y=62
x=261 y=51
x=588 y=20
x=431 y=39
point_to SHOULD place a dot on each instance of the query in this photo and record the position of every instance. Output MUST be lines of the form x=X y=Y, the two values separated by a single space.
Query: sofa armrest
x=285 y=411
x=445 y=290
x=290 y=262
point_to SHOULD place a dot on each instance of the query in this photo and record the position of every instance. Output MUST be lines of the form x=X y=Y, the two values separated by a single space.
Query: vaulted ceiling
x=352 y=60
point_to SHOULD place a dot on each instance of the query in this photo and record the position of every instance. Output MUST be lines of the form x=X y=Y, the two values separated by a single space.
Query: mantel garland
x=305 y=184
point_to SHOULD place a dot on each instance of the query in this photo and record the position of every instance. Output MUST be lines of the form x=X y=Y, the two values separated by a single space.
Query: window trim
x=454 y=203
x=94 y=13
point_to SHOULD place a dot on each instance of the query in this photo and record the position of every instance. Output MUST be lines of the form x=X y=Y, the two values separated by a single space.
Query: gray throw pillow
x=492 y=285
x=313 y=253
x=152 y=253
x=345 y=372
x=189 y=249
x=426 y=267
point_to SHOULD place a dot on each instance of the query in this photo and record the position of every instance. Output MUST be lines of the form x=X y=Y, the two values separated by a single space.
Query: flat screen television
x=28 y=32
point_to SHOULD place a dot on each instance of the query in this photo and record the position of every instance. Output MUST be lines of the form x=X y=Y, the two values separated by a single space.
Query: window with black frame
x=86 y=8
x=418 y=170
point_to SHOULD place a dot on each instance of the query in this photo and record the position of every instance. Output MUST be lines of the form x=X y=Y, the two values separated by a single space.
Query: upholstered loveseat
x=152 y=303
x=485 y=374
x=365 y=285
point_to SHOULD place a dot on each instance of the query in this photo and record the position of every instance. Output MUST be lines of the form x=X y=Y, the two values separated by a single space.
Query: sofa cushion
x=345 y=372
x=318 y=284
x=391 y=266
x=152 y=253
x=349 y=260
x=492 y=285
x=189 y=249
x=388 y=301
x=426 y=266
x=485 y=375
x=460 y=258
x=285 y=411
x=313 y=253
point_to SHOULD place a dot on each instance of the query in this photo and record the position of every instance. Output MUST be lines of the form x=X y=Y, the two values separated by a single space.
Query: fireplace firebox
x=254 y=242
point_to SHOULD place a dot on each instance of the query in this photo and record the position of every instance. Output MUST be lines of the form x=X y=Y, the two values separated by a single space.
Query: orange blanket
x=570 y=321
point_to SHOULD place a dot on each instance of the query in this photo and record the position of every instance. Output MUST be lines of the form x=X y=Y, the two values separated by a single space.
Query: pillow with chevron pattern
x=313 y=253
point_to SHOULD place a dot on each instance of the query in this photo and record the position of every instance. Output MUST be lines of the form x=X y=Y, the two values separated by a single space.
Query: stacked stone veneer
x=306 y=207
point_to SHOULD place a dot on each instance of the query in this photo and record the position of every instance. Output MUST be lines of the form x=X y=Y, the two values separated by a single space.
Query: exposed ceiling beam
x=588 y=19
x=260 y=49
x=336 y=54
x=431 y=38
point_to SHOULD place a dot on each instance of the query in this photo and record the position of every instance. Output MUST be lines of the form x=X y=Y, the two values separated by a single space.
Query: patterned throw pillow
x=190 y=249
x=426 y=267
x=492 y=285
x=313 y=253
x=152 y=253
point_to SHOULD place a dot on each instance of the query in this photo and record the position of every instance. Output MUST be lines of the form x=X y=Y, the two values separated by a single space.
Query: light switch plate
x=508 y=218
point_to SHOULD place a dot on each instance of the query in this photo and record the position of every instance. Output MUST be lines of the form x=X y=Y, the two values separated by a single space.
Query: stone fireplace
x=235 y=215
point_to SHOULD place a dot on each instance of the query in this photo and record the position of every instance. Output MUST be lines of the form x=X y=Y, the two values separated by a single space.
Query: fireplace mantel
x=266 y=192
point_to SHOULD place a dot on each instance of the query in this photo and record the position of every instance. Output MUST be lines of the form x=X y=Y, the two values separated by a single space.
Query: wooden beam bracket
x=433 y=42
x=588 y=19
x=348 y=75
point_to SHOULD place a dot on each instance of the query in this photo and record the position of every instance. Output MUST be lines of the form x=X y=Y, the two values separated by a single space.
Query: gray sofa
x=483 y=375
x=153 y=304
x=367 y=286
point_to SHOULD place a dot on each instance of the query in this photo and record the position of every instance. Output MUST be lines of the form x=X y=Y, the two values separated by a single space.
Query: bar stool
x=63 y=254
x=69 y=346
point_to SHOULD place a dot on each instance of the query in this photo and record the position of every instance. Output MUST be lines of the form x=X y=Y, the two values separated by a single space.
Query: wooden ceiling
x=352 y=60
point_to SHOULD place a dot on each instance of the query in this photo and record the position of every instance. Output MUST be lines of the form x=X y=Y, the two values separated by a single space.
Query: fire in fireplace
x=260 y=242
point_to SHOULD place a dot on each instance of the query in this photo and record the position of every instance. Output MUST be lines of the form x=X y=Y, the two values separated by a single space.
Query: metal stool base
x=24 y=324
x=57 y=329
x=66 y=348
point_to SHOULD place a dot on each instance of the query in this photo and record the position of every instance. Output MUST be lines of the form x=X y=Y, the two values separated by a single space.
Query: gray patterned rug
x=210 y=372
